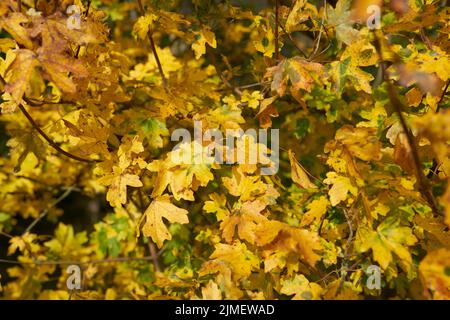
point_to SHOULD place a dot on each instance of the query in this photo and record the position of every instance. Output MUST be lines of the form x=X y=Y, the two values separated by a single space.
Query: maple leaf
x=247 y=219
x=144 y=25
x=341 y=186
x=118 y=181
x=23 y=144
x=266 y=111
x=389 y=238
x=91 y=133
x=298 y=174
x=185 y=170
x=20 y=73
x=361 y=142
x=66 y=242
x=154 y=226
x=23 y=243
x=301 y=12
x=205 y=36
x=316 y=209
x=356 y=55
x=12 y=23
x=276 y=236
x=434 y=273
x=340 y=18
x=217 y=205
x=154 y=131
x=301 y=73
x=301 y=288
x=237 y=256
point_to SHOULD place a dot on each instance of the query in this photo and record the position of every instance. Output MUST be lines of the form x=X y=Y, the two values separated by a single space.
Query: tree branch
x=424 y=184
x=442 y=97
x=50 y=141
x=44 y=135
x=153 y=47
x=277 y=45
x=44 y=213
x=212 y=57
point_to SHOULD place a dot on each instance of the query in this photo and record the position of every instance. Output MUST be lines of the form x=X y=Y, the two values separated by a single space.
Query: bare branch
x=277 y=44
x=45 y=212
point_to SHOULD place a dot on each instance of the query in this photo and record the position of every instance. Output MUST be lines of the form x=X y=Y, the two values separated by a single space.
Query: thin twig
x=212 y=57
x=442 y=97
x=6 y=234
x=293 y=41
x=424 y=185
x=344 y=266
x=153 y=254
x=153 y=47
x=321 y=29
x=277 y=44
x=45 y=212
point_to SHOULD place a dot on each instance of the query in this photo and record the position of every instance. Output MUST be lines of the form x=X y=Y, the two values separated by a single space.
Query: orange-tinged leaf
x=19 y=73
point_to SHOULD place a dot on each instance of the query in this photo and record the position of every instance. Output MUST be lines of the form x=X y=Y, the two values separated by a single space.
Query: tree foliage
x=87 y=115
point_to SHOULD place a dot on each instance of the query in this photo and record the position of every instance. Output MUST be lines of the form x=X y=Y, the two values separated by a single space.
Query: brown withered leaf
x=403 y=154
x=13 y=24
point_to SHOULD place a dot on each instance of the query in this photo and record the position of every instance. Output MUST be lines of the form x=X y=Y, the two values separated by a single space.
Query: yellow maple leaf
x=389 y=238
x=158 y=209
x=211 y=291
x=19 y=74
x=434 y=273
x=144 y=25
x=301 y=288
x=361 y=142
x=241 y=260
x=341 y=186
x=316 y=209
x=298 y=174
x=118 y=181
x=246 y=219
x=185 y=170
x=206 y=36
